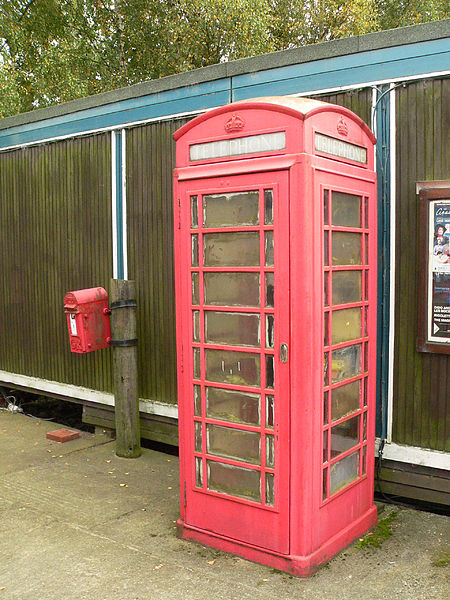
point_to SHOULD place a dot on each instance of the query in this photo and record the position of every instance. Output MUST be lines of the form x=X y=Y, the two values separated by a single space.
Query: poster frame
x=429 y=192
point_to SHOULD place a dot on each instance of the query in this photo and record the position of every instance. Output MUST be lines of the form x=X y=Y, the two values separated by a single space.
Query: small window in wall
x=434 y=267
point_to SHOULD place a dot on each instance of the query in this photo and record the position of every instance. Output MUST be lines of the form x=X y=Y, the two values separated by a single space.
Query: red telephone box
x=275 y=250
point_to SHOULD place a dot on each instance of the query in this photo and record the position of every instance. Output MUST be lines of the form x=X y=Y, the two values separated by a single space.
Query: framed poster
x=434 y=267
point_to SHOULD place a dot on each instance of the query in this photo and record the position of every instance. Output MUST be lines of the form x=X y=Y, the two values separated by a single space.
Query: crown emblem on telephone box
x=235 y=123
x=342 y=127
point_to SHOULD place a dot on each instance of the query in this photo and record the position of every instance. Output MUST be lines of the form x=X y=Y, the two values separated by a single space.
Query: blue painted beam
x=179 y=100
x=359 y=68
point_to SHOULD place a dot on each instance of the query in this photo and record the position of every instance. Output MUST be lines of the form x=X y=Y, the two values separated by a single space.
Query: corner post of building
x=124 y=343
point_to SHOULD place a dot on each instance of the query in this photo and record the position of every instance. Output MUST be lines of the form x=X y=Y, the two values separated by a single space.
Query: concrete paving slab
x=87 y=525
x=23 y=442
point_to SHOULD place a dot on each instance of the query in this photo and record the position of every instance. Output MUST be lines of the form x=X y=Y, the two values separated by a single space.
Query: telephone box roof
x=301 y=108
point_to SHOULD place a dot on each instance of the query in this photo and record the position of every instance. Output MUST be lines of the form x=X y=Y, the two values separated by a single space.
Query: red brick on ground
x=62 y=435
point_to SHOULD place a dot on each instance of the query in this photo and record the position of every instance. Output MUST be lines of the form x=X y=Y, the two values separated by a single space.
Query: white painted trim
x=415 y=456
x=343 y=88
x=393 y=181
x=373 y=124
x=124 y=206
x=114 y=203
x=81 y=393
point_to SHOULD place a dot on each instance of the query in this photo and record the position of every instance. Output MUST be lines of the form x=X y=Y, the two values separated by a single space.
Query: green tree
x=56 y=50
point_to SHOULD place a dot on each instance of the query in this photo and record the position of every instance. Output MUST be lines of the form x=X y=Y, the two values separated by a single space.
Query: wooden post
x=124 y=342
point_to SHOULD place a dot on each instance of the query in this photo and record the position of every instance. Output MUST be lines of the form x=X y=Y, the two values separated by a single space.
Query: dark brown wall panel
x=421 y=380
x=55 y=236
x=359 y=101
x=150 y=163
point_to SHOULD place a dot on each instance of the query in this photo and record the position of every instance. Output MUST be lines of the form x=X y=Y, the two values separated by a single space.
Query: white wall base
x=81 y=393
x=415 y=455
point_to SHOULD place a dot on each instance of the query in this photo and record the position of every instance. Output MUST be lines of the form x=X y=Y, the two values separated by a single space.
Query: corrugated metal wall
x=55 y=237
x=150 y=164
x=421 y=380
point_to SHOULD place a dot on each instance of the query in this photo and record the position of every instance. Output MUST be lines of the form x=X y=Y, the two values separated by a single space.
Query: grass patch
x=382 y=531
x=442 y=561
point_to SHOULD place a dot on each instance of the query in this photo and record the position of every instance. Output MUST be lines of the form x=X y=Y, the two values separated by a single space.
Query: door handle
x=283 y=353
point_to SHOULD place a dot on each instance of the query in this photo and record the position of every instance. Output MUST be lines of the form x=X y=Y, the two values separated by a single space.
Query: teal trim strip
x=305 y=81
x=370 y=59
x=119 y=206
x=384 y=258
x=408 y=60
x=117 y=114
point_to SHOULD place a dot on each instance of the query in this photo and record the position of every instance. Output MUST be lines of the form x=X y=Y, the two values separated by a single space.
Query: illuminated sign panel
x=251 y=144
x=330 y=145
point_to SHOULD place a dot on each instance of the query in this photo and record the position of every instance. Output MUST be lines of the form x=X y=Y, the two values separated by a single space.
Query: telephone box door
x=233 y=338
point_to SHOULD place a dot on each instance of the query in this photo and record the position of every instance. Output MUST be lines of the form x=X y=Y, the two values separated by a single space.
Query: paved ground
x=76 y=522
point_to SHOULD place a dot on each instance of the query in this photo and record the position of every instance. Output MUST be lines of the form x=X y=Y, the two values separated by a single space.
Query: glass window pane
x=270 y=451
x=269 y=290
x=364 y=427
x=198 y=437
x=232 y=289
x=233 y=443
x=270 y=333
x=269 y=371
x=326 y=261
x=194 y=212
x=345 y=400
x=344 y=436
x=268 y=207
x=366 y=285
x=325 y=207
x=345 y=363
x=346 y=248
x=269 y=412
x=325 y=328
x=325 y=408
x=269 y=248
x=364 y=460
x=228 y=405
x=237 y=249
x=270 y=490
x=344 y=472
x=365 y=392
x=325 y=446
x=346 y=210
x=346 y=325
x=231 y=210
x=325 y=368
x=235 y=481
x=239 y=368
x=196 y=325
x=196 y=363
x=325 y=288
x=324 y=484
x=366 y=213
x=197 y=401
x=198 y=472
x=346 y=287
x=195 y=250
x=195 y=289
x=240 y=329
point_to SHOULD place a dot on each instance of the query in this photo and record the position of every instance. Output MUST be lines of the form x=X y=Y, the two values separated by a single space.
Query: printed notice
x=439 y=272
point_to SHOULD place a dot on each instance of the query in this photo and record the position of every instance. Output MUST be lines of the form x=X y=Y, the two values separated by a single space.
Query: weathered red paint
x=293 y=516
x=88 y=319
